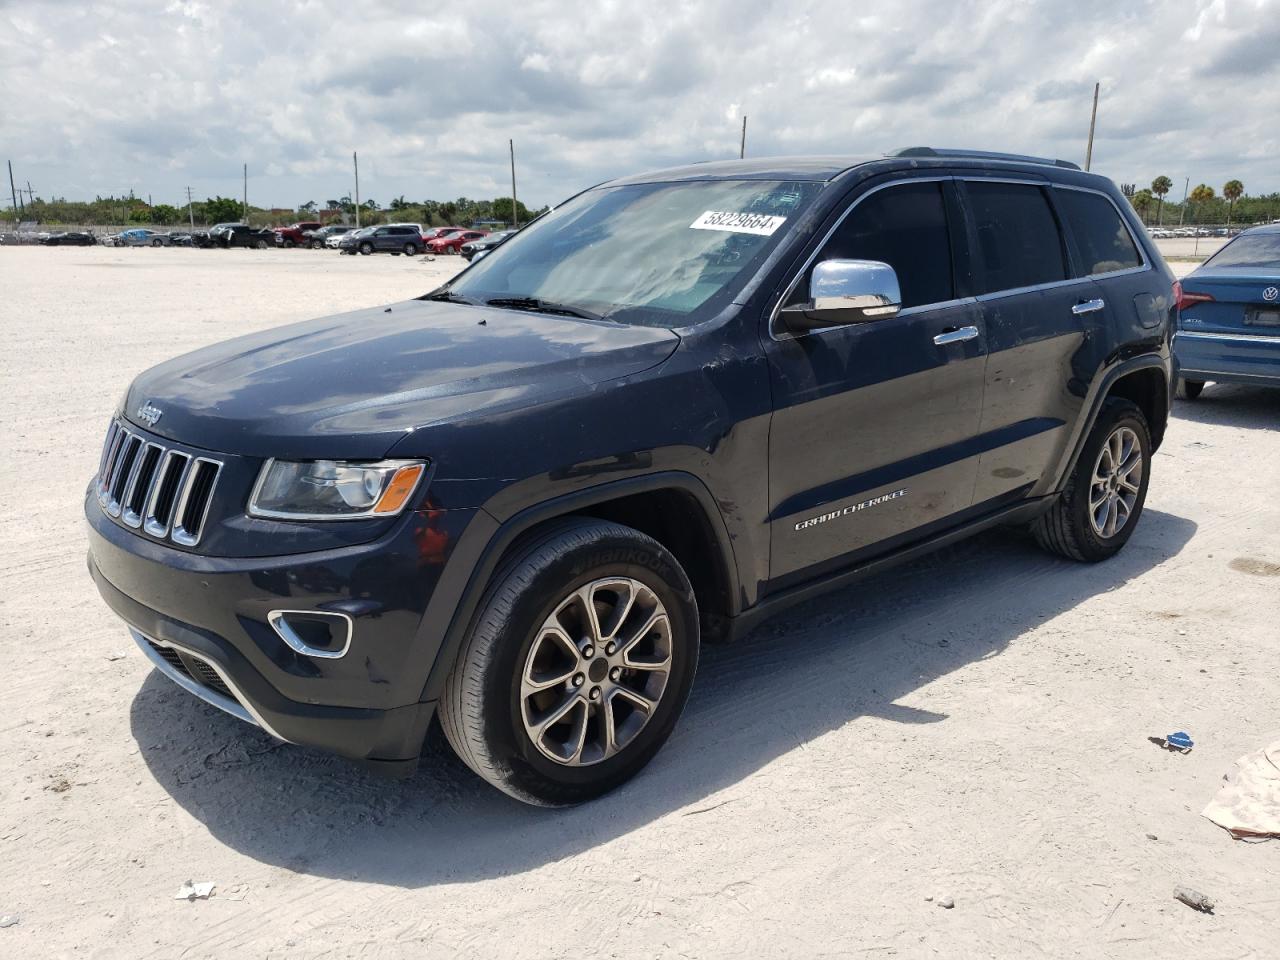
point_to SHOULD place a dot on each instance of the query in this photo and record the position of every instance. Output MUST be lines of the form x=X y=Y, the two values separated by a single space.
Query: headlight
x=334 y=490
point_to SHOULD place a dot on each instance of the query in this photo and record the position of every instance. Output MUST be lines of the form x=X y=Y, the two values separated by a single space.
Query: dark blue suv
x=672 y=406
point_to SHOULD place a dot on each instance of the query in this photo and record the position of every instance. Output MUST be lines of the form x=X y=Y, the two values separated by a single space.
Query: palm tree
x=1201 y=193
x=1233 y=190
x=1142 y=203
x=1160 y=186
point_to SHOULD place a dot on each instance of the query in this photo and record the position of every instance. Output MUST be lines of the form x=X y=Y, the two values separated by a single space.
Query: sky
x=155 y=96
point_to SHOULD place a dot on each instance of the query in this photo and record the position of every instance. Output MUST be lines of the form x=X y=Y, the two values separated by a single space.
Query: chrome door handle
x=1088 y=306
x=957 y=335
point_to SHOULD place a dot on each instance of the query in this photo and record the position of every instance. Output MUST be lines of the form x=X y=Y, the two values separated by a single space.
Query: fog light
x=313 y=633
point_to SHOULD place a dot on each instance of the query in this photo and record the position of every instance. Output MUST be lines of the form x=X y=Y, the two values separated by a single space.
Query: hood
x=350 y=386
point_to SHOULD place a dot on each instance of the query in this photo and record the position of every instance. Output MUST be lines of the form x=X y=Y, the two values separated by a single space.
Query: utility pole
x=515 y=213
x=246 y=193
x=1182 y=212
x=355 y=162
x=31 y=194
x=742 y=145
x=1093 y=122
x=13 y=190
x=190 y=213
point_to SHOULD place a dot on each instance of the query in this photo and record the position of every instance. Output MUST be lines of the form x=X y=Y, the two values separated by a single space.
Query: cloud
x=157 y=96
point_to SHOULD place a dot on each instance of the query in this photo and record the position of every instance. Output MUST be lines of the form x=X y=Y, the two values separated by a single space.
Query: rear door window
x=1103 y=243
x=1019 y=243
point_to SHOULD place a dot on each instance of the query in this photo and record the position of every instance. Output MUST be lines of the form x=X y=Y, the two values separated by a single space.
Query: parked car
x=71 y=238
x=484 y=244
x=452 y=243
x=243 y=235
x=1229 y=315
x=194 y=238
x=140 y=238
x=317 y=239
x=431 y=233
x=383 y=239
x=294 y=235
x=218 y=229
x=520 y=503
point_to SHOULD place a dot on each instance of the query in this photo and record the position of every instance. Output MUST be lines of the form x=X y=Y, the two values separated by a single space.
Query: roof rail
x=981 y=155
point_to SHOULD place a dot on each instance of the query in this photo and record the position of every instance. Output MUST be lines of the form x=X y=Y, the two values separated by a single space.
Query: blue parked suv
x=676 y=404
x=1229 y=323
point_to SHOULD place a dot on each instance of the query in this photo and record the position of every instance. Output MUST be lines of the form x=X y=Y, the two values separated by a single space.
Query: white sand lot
x=972 y=726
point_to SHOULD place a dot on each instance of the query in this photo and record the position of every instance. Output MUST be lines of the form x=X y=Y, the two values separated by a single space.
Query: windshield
x=1249 y=250
x=654 y=254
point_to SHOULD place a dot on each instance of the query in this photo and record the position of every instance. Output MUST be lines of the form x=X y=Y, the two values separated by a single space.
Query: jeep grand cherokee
x=675 y=404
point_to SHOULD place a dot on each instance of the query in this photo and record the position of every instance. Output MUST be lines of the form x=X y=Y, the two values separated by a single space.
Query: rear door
x=871 y=440
x=1036 y=315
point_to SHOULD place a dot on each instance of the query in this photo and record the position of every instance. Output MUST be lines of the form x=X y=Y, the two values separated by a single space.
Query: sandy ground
x=973 y=726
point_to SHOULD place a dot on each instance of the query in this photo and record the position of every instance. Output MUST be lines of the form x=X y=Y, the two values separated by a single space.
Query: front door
x=873 y=433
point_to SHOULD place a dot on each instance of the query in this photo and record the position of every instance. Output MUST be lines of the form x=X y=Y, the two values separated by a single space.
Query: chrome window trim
x=1231 y=337
x=286 y=633
x=241 y=708
x=1137 y=244
x=979 y=298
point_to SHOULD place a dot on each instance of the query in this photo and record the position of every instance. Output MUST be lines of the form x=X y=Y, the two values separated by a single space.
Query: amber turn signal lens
x=399 y=489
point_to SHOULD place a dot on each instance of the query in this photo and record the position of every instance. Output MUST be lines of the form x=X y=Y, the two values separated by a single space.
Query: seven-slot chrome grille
x=164 y=491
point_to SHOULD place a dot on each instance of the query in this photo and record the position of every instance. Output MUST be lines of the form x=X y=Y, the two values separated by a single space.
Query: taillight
x=1184 y=299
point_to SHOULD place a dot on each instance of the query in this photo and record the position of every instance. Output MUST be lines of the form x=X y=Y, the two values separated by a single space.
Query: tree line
x=1202 y=205
x=132 y=209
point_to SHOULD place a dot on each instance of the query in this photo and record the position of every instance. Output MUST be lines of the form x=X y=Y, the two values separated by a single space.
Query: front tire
x=410 y=249
x=578 y=665
x=366 y=248
x=1100 y=506
x=1190 y=389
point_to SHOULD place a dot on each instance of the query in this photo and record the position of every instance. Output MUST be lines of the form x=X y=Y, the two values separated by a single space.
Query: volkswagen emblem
x=149 y=413
x=1270 y=293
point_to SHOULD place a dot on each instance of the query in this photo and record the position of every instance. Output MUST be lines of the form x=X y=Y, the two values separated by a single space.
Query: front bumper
x=1228 y=357
x=203 y=621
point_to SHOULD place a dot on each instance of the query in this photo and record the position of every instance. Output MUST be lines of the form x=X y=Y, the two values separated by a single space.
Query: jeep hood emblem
x=149 y=413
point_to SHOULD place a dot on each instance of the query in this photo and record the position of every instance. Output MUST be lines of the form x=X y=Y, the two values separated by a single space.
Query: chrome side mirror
x=846 y=291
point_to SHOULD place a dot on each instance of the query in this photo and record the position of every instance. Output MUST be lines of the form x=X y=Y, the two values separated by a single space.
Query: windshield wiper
x=448 y=296
x=534 y=305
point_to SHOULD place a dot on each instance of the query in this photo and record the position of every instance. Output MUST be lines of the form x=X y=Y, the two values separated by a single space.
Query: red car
x=452 y=243
x=432 y=233
x=292 y=236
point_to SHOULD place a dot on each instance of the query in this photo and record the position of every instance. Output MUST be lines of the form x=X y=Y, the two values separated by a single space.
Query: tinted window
x=1018 y=237
x=1103 y=243
x=1250 y=250
x=905 y=227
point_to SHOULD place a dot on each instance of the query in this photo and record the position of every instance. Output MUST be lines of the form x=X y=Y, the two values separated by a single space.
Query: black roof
x=822 y=169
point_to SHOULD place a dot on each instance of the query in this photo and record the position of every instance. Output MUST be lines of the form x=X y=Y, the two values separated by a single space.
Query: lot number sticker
x=757 y=223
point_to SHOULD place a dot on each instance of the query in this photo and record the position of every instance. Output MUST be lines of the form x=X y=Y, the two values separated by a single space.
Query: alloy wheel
x=1117 y=480
x=596 y=671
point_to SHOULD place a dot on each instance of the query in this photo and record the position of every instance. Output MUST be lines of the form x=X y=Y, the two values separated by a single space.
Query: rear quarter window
x=1103 y=243
x=1019 y=244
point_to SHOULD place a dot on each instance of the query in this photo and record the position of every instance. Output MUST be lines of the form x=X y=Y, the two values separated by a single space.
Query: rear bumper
x=1228 y=357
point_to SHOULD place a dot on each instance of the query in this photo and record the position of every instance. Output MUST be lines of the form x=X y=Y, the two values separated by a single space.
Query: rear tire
x=410 y=249
x=1190 y=389
x=535 y=654
x=1102 y=502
